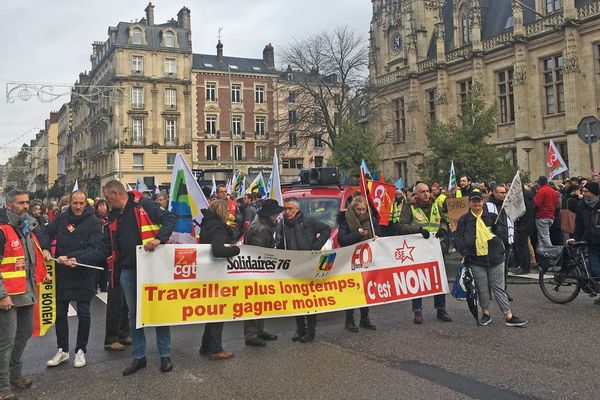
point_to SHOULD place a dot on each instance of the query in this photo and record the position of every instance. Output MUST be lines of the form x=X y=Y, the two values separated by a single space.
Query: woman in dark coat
x=356 y=225
x=76 y=230
x=215 y=231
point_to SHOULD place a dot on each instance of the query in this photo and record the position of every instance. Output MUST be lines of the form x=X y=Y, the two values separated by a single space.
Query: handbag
x=567 y=221
x=459 y=292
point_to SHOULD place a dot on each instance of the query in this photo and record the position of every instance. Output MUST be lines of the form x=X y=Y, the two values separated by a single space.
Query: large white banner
x=183 y=284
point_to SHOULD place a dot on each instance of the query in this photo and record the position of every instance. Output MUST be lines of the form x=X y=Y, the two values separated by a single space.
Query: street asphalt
x=554 y=357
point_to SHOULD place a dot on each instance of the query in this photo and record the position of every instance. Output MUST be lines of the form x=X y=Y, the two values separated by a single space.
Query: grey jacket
x=261 y=233
x=301 y=233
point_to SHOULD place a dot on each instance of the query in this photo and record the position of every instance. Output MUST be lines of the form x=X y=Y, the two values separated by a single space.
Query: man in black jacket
x=261 y=233
x=301 y=232
x=132 y=223
x=75 y=231
x=524 y=229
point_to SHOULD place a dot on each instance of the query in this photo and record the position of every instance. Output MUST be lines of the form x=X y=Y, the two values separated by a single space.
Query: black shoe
x=136 y=365
x=520 y=271
x=351 y=326
x=298 y=336
x=256 y=342
x=367 y=324
x=515 y=321
x=485 y=319
x=21 y=382
x=165 y=364
x=267 y=336
x=443 y=315
x=308 y=337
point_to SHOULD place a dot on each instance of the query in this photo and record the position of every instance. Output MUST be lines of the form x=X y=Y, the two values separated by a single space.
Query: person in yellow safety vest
x=397 y=205
x=438 y=197
x=424 y=217
x=464 y=187
x=21 y=270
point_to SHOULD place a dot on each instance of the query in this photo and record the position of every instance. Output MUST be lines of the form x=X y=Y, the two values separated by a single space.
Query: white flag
x=129 y=188
x=75 y=186
x=140 y=186
x=275 y=186
x=214 y=186
x=156 y=186
x=514 y=204
x=452 y=179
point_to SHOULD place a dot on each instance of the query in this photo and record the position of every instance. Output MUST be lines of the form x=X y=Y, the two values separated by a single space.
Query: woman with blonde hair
x=215 y=231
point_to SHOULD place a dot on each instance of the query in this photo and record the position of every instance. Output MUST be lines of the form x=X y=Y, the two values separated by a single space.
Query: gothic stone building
x=538 y=60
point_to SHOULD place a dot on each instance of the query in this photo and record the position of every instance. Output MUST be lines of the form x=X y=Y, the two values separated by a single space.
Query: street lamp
x=528 y=150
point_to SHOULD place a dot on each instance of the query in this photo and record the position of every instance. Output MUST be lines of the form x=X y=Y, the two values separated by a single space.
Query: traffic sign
x=589 y=127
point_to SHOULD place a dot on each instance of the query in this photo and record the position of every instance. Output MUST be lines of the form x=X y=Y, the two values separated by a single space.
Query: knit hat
x=592 y=187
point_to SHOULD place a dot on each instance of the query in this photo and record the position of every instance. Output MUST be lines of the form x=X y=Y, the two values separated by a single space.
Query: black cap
x=476 y=194
x=542 y=180
x=269 y=208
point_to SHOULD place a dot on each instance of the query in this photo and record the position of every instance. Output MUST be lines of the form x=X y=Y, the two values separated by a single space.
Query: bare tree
x=325 y=72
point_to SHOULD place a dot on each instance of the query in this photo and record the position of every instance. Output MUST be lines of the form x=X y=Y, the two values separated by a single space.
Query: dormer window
x=169 y=39
x=136 y=36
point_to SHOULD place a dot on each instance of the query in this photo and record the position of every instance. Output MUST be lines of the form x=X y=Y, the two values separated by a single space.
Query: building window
x=511 y=156
x=402 y=170
x=400 y=119
x=552 y=6
x=238 y=153
x=296 y=163
x=259 y=95
x=171 y=99
x=236 y=124
x=170 y=161
x=260 y=130
x=137 y=132
x=170 y=66
x=137 y=64
x=466 y=23
x=464 y=88
x=293 y=139
x=136 y=36
x=169 y=39
x=138 y=161
x=137 y=97
x=505 y=95
x=211 y=91
x=319 y=141
x=211 y=125
x=170 y=132
x=292 y=117
x=318 y=161
x=553 y=85
x=430 y=95
x=262 y=153
x=291 y=96
x=211 y=152
x=236 y=93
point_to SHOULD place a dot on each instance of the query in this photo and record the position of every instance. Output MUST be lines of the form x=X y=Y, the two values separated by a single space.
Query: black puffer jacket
x=464 y=239
x=301 y=233
x=583 y=223
x=214 y=231
x=74 y=236
x=261 y=232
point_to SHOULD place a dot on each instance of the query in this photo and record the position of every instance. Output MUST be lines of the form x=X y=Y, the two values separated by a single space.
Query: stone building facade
x=234 y=113
x=538 y=60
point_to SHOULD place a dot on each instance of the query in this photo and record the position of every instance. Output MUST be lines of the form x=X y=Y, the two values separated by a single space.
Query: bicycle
x=562 y=279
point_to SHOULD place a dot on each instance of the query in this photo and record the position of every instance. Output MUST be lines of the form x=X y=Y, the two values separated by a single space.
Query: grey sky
x=50 y=40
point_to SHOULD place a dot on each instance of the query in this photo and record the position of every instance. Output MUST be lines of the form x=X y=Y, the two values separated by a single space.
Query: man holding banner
x=135 y=221
x=21 y=270
x=424 y=217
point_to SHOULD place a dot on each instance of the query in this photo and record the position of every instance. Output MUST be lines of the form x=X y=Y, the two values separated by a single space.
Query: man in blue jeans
x=134 y=221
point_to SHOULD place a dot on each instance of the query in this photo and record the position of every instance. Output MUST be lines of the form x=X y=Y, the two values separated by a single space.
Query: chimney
x=220 y=51
x=269 y=56
x=150 y=14
x=183 y=18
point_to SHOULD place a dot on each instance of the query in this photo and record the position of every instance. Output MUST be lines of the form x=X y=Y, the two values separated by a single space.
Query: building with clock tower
x=538 y=60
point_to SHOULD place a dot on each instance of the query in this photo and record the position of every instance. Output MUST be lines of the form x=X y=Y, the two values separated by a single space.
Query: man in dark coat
x=301 y=232
x=75 y=231
x=261 y=232
x=524 y=228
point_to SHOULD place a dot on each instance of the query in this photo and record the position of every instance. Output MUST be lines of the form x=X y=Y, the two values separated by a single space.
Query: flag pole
x=364 y=181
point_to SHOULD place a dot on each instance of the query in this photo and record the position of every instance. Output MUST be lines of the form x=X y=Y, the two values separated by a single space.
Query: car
x=320 y=196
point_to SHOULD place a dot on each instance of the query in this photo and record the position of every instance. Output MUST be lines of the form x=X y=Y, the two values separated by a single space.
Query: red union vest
x=12 y=266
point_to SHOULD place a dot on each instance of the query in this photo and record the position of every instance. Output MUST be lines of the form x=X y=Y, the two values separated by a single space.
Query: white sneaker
x=60 y=357
x=79 y=359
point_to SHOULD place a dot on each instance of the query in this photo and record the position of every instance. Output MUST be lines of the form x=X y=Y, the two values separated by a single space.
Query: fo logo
x=362 y=256
x=185 y=264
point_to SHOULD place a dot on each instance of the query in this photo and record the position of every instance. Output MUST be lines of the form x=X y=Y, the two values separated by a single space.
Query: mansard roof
x=237 y=64
x=153 y=35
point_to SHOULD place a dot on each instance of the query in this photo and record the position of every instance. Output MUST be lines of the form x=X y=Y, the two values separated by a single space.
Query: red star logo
x=405 y=252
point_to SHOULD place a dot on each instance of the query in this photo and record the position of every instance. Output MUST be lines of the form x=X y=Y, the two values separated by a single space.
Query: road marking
x=526 y=276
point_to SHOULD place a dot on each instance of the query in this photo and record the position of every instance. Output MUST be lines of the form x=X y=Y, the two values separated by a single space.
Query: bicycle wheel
x=559 y=287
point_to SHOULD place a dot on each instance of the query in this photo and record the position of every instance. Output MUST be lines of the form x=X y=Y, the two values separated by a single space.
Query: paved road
x=554 y=357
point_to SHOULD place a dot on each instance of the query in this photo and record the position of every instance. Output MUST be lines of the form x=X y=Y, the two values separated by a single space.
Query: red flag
x=382 y=196
x=364 y=190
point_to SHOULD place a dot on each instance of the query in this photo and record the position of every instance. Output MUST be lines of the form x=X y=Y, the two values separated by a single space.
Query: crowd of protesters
x=105 y=232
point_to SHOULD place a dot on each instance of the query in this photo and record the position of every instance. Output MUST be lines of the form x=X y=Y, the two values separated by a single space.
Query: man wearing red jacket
x=545 y=202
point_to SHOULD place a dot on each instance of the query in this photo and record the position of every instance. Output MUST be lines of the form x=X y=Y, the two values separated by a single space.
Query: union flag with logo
x=555 y=162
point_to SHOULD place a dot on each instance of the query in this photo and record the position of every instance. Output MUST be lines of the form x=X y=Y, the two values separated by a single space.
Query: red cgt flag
x=382 y=195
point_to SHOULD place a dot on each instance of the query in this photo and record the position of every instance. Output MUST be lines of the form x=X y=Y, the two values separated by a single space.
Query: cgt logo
x=185 y=264
x=362 y=256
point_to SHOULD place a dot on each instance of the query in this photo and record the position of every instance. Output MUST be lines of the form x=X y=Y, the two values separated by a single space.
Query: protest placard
x=456 y=209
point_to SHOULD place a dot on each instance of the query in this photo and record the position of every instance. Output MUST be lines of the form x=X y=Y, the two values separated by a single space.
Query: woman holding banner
x=215 y=231
x=356 y=224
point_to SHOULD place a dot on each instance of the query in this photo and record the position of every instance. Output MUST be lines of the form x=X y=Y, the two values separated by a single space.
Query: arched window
x=169 y=39
x=465 y=26
x=136 y=36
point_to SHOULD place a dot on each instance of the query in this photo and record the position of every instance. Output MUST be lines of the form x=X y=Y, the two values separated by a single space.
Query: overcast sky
x=50 y=40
